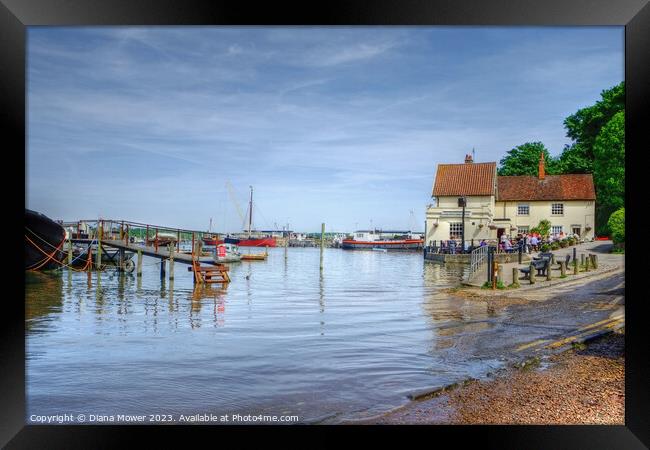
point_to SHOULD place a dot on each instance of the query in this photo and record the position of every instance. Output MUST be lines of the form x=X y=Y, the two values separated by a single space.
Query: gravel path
x=580 y=386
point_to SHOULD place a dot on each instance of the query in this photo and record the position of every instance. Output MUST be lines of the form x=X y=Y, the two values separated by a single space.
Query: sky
x=341 y=125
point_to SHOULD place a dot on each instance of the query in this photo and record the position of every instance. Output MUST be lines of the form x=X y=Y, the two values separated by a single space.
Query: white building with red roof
x=507 y=204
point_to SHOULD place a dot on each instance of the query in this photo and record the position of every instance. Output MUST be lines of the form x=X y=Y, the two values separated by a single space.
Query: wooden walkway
x=162 y=253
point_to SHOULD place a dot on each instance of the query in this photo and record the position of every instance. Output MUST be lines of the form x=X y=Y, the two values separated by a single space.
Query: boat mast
x=250 y=216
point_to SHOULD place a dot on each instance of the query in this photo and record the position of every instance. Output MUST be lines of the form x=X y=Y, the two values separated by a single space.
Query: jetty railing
x=478 y=257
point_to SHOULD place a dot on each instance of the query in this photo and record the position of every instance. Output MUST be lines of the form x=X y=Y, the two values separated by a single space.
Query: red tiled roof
x=552 y=187
x=465 y=179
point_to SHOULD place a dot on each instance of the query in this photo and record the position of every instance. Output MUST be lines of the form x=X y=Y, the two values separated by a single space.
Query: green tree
x=543 y=228
x=599 y=148
x=524 y=160
x=616 y=225
x=609 y=168
x=584 y=126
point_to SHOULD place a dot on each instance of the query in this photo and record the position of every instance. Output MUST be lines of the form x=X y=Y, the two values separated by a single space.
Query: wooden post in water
x=531 y=274
x=139 y=269
x=70 y=250
x=162 y=268
x=322 y=243
x=100 y=232
x=515 y=277
x=171 y=261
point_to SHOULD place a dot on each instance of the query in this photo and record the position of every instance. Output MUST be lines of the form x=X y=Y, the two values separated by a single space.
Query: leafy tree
x=599 y=148
x=543 y=228
x=584 y=126
x=524 y=160
x=609 y=167
x=616 y=225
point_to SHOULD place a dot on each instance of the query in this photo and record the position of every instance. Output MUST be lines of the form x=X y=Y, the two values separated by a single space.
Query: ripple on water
x=351 y=340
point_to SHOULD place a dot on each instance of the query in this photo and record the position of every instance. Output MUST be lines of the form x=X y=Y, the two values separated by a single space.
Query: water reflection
x=352 y=336
x=47 y=289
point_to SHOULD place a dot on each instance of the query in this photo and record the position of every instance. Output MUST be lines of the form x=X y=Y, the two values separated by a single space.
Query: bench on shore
x=547 y=256
x=541 y=265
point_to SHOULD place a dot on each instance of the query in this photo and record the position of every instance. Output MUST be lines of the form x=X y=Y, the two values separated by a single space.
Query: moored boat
x=226 y=253
x=378 y=240
x=44 y=239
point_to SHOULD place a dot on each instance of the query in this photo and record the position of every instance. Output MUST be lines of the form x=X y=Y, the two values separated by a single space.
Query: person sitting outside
x=534 y=241
x=507 y=246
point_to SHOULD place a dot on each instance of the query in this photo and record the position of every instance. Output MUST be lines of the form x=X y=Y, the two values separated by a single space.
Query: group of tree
x=598 y=147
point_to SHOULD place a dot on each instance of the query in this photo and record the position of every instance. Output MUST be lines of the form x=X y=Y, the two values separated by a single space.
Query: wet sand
x=584 y=385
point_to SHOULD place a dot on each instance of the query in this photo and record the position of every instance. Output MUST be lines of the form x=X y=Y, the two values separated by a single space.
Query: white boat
x=226 y=253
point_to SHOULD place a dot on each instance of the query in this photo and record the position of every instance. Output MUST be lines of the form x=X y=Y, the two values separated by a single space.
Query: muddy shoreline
x=582 y=385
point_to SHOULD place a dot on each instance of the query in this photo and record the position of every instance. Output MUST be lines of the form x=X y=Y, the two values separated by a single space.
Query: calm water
x=282 y=338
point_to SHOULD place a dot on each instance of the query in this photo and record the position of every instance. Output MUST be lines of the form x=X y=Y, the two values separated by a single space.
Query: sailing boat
x=250 y=240
x=211 y=239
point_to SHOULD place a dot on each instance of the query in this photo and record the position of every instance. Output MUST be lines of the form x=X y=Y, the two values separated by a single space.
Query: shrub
x=616 y=225
x=563 y=243
x=545 y=248
x=555 y=245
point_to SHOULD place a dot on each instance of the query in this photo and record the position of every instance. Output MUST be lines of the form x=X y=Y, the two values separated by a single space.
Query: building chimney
x=468 y=159
x=540 y=170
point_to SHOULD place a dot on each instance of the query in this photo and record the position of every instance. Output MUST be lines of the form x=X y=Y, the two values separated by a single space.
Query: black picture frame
x=16 y=15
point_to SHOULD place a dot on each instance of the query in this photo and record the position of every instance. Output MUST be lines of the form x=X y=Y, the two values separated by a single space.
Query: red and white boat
x=388 y=240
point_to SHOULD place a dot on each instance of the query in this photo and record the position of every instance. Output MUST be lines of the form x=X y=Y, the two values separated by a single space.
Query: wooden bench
x=540 y=265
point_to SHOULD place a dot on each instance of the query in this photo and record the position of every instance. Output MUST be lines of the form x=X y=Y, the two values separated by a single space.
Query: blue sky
x=329 y=124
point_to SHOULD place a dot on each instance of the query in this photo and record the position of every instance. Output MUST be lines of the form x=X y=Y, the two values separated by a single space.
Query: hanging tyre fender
x=129 y=266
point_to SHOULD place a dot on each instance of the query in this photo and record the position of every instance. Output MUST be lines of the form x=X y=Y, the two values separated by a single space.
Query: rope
x=57 y=248
x=47 y=257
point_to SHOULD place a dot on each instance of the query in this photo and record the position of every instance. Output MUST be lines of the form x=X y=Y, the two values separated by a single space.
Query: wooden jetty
x=118 y=235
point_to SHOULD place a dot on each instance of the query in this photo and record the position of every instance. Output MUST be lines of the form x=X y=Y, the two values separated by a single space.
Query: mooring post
x=121 y=259
x=586 y=264
x=574 y=253
x=322 y=243
x=500 y=273
x=575 y=266
x=171 y=261
x=139 y=269
x=515 y=277
x=100 y=232
x=532 y=274
x=562 y=269
x=70 y=250
x=548 y=270
x=594 y=261
x=162 y=268
x=582 y=259
x=552 y=258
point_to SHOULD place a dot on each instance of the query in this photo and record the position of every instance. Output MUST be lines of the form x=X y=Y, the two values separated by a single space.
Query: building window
x=455 y=230
x=575 y=229
x=523 y=229
x=523 y=210
x=556 y=229
x=557 y=209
